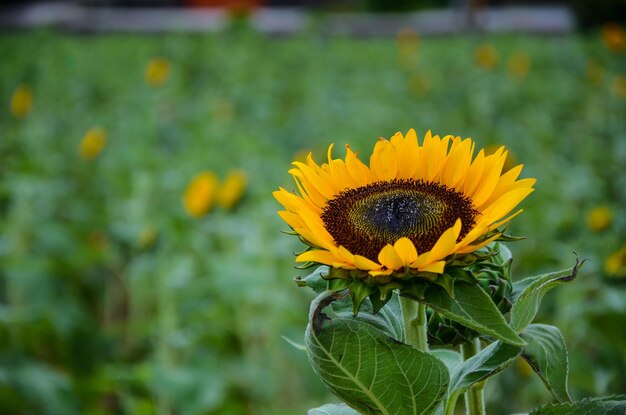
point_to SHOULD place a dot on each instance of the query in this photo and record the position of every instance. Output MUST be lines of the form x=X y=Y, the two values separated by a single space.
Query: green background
x=94 y=320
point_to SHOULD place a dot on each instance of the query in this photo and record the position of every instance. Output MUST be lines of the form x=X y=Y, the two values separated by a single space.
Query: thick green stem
x=474 y=399
x=414 y=318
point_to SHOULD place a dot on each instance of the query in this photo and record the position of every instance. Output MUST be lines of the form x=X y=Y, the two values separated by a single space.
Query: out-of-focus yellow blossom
x=523 y=368
x=486 y=57
x=614 y=37
x=509 y=162
x=619 y=86
x=420 y=84
x=599 y=218
x=518 y=65
x=200 y=194
x=158 y=71
x=594 y=72
x=615 y=265
x=22 y=101
x=147 y=237
x=407 y=41
x=232 y=190
x=223 y=110
x=92 y=144
x=98 y=240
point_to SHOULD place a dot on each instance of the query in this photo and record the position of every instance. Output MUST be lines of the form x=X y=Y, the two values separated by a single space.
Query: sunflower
x=412 y=208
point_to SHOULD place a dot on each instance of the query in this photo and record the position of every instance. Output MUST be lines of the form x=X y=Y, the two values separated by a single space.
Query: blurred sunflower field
x=142 y=266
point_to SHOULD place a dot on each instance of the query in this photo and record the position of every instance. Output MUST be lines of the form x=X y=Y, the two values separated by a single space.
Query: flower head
x=92 y=144
x=599 y=218
x=518 y=65
x=414 y=206
x=22 y=101
x=200 y=194
x=486 y=57
x=614 y=37
x=619 y=86
x=232 y=189
x=615 y=265
x=594 y=72
x=157 y=71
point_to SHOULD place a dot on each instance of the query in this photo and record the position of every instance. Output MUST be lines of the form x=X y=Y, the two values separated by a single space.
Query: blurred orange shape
x=157 y=71
x=22 y=101
x=486 y=57
x=200 y=194
x=232 y=190
x=92 y=144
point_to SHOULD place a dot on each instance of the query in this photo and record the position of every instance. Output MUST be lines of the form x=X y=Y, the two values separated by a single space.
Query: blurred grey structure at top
x=285 y=17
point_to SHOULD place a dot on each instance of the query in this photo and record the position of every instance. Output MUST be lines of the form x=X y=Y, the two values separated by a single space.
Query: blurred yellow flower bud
x=199 y=195
x=594 y=72
x=523 y=368
x=157 y=71
x=615 y=265
x=614 y=37
x=599 y=218
x=518 y=65
x=232 y=190
x=407 y=40
x=420 y=84
x=223 y=110
x=486 y=57
x=619 y=86
x=22 y=101
x=147 y=237
x=92 y=144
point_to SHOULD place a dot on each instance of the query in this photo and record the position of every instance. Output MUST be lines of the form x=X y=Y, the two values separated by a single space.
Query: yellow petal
x=308 y=192
x=408 y=156
x=383 y=163
x=405 y=250
x=358 y=170
x=365 y=263
x=493 y=168
x=472 y=248
x=474 y=174
x=292 y=219
x=506 y=203
x=389 y=258
x=446 y=242
x=317 y=255
x=436 y=267
x=457 y=163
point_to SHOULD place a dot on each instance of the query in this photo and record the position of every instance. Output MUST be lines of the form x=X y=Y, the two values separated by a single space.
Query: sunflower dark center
x=367 y=218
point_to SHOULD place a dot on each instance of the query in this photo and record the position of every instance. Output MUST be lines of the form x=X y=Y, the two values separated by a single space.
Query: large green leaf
x=528 y=293
x=367 y=368
x=471 y=307
x=333 y=409
x=547 y=355
x=489 y=361
x=606 y=405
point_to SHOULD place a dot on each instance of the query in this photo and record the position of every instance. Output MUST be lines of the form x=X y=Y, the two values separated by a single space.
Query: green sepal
x=509 y=238
x=446 y=281
x=315 y=280
x=358 y=293
x=377 y=301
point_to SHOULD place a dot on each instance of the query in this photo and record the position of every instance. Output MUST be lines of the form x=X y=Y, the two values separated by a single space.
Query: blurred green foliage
x=113 y=300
